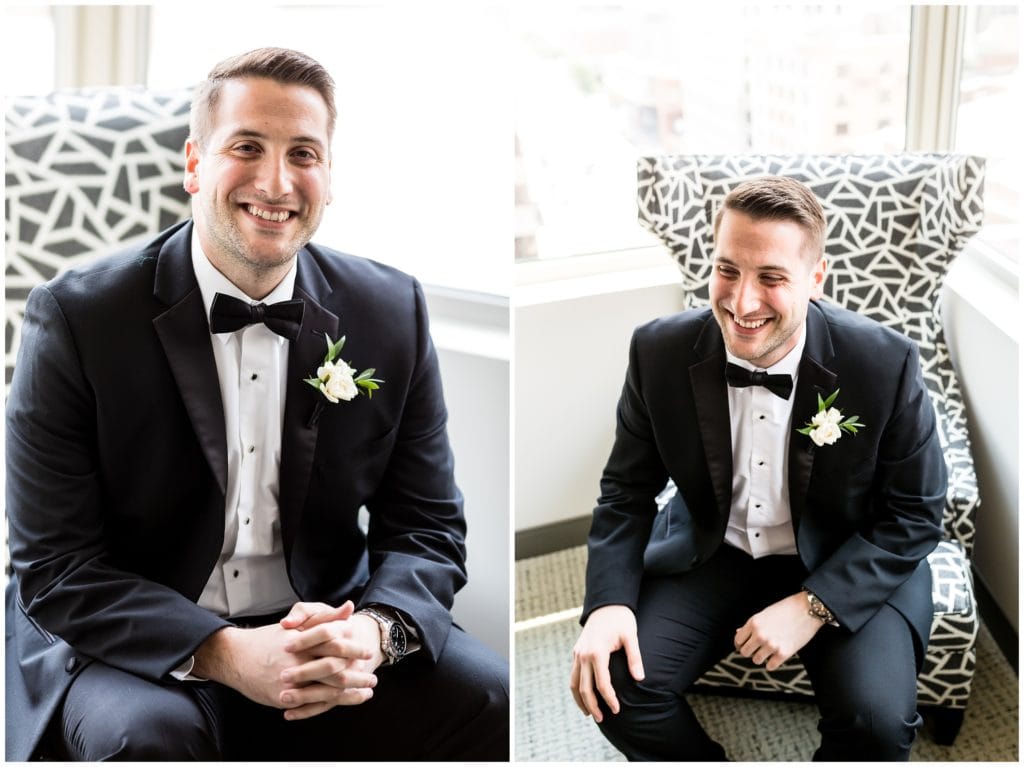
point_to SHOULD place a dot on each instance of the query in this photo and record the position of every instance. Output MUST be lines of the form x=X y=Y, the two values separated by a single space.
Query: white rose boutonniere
x=337 y=380
x=828 y=423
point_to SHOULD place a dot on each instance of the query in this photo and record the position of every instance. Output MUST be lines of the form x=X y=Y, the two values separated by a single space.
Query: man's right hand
x=253 y=660
x=607 y=630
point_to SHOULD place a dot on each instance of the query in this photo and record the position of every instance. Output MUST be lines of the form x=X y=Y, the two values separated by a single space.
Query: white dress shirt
x=250 y=577
x=760 y=521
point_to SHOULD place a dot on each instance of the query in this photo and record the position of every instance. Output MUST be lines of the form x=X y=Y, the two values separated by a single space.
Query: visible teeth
x=266 y=215
x=749 y=325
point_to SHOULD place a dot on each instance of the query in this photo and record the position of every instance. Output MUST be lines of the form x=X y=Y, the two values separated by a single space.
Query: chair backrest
x=895 y=224
x=87 y=171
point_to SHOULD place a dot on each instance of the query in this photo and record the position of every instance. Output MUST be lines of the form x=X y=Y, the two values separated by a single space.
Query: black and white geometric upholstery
x=86 y=172
x=895 y=224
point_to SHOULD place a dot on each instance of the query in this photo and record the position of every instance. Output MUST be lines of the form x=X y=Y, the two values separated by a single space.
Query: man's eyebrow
x=765 y=268
x=249 y=133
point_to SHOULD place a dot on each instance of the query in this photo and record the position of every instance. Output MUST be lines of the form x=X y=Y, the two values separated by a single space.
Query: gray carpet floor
x=549 y=727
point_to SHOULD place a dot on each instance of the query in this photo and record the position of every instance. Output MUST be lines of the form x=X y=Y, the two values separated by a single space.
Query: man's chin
x=749 y=352
x=262 y=263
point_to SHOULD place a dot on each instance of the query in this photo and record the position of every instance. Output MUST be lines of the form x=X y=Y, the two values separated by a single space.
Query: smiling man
x=781 y=538
x=191 y=580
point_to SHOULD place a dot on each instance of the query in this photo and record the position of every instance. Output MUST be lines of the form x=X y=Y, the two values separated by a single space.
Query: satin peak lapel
x=303 y=403
x=813 y=379
x=707 y=377
x=184 y=332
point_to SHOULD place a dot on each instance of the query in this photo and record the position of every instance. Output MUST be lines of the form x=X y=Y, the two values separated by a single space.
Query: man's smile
x=275 y=216
x=750 y=324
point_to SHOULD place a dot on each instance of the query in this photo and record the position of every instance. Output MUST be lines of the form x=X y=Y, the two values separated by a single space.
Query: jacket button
x=71 y=665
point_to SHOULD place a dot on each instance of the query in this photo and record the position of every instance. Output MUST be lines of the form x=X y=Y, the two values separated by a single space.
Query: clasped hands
x=317 y=657
x=769 y=637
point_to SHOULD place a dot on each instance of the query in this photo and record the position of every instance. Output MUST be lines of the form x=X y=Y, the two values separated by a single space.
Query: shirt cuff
x=183 y=673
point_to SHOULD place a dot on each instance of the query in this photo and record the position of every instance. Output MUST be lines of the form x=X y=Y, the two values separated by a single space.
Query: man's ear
x=191 y=182
x=818 y=274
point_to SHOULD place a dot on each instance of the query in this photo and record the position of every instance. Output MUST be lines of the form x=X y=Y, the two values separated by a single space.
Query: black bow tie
x=780 y=384
x=229 y=314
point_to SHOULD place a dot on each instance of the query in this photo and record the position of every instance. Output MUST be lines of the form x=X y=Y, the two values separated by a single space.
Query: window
x=431 y=104
x=598 y=86
x=28 y=28
x=421 y=171
x=989 y=97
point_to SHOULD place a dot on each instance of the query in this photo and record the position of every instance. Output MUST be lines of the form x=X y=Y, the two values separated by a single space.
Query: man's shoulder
x=127 y=268
x=855 y=331
x=689 y=321
x=342 y=268
x=678 y=331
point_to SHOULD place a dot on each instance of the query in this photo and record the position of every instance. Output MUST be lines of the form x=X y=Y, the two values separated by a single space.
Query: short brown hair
x=779 y=198
x=281 y=65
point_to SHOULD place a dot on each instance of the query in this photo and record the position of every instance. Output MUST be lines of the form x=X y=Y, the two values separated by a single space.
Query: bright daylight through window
x=597 y=87
x=421 y=171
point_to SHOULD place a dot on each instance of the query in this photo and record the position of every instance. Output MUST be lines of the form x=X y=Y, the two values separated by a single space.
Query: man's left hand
x=346 y=649
x=777 y=633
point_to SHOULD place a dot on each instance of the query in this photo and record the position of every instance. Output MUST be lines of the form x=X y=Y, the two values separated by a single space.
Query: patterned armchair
x=895 y=225
x=87 y=172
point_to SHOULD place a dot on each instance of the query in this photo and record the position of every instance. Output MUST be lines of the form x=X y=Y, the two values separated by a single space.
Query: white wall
x=981 y=310
x=570 y=362
x=472 y=340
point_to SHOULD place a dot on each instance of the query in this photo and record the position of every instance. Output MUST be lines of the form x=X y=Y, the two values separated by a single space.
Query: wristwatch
x=393 y=641
x=818 y=609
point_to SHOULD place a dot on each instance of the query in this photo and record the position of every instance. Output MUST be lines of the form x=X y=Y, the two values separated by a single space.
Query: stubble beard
x=777 y=338
x=227 y=237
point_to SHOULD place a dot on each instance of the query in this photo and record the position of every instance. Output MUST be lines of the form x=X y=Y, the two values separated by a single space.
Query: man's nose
x=747 y=298
x=275 y=177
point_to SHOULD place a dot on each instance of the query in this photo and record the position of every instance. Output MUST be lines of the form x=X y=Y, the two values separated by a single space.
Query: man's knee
x=172 y=735
x=638 y=702
x=121 y=717
x=654 y=722
x=481 y=679
x=474 y=682
x=870 y=728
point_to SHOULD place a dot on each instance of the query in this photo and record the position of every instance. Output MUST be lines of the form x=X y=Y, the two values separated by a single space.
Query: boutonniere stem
x=337 y=380
x=828 y=424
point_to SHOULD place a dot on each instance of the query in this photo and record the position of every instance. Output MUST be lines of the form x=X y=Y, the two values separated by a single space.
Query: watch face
x=397 y=637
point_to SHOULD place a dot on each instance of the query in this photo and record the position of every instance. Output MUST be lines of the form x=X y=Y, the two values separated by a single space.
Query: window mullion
x=933 y=82
x=98 y=45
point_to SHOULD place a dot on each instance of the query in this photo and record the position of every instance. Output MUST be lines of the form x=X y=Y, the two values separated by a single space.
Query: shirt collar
x=788 y=364
x=212 y=282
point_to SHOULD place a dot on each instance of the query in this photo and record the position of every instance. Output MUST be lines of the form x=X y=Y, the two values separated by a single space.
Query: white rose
x=826 y=434
x=336 y=381
x=827 y=418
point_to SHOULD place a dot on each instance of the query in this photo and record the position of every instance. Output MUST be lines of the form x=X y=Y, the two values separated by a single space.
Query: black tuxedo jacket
x=866 y=510
x=117 y=467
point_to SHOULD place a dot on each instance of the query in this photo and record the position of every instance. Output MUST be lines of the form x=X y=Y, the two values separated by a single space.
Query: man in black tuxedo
x=190 y=579
x=799 y=524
